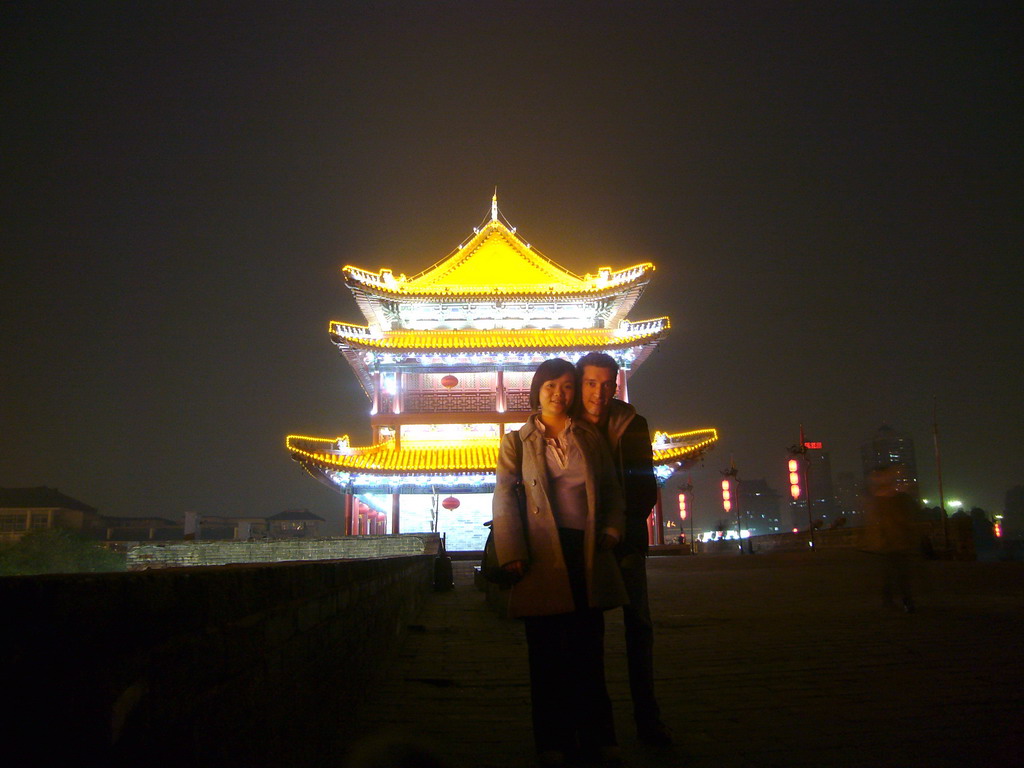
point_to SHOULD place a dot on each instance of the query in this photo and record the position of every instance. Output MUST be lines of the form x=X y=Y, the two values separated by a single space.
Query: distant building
x=30 y=509
x=888 y=446
x=295 y=524
x=850 y=497
x=759 y=507
x=137 y=528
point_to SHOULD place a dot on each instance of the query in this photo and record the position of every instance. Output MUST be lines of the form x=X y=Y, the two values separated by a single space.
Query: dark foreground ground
x=763 y=660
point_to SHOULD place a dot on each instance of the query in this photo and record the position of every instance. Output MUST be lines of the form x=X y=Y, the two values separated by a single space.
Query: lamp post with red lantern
x=795 y=488
x=730 y=497
x=687 y=510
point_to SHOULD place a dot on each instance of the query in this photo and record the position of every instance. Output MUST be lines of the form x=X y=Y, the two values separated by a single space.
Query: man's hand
x=515 y=567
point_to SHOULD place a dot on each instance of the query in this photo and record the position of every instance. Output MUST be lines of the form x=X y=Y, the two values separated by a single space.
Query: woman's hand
x=515 y=567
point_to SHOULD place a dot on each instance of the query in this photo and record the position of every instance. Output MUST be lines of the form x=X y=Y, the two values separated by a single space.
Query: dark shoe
x=551 y=758
x=601 y=757
x=655 y=734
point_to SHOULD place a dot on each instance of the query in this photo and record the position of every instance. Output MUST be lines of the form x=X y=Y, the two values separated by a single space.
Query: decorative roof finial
x=494 y=205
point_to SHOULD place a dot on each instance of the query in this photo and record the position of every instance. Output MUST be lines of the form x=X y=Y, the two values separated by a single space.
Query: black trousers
x=639 y=640
x=571 y=708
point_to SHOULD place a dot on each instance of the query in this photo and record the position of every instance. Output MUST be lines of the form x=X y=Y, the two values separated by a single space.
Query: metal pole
x=938 y=470
x=693 y=511
x=807 y=486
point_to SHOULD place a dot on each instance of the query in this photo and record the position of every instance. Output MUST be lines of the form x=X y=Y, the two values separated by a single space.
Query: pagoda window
x=448 y=433
x=450 y=392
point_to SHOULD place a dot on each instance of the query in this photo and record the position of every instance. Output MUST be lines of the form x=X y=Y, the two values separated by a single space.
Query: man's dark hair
x=554 y=368
x=598 y=359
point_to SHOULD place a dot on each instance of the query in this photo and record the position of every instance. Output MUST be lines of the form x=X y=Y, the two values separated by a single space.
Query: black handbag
x=489 y=566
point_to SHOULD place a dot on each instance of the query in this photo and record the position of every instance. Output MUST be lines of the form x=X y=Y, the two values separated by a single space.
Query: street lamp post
x=800 y=450
x=730 y=493
x=685 y=490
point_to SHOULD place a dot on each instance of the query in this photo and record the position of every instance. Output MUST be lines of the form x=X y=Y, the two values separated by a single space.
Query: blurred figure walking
x=890 y=533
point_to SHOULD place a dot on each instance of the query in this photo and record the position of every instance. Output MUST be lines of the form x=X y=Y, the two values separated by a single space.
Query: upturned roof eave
x=360 y=459
x=345 y=342
x=371 y=293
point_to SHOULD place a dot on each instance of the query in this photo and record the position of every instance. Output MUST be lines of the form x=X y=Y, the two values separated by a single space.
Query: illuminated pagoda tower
x=446 y=358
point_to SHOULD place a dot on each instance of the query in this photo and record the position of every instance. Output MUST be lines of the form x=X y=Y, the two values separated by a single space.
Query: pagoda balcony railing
x=344 y=329
x=449 y=402
x=517 y=401
x=455 y=402
x=626 y=275
x=384 y=277
x=645 y=326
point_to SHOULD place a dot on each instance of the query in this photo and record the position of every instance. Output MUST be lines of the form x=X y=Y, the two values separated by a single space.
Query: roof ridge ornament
x=494 y=205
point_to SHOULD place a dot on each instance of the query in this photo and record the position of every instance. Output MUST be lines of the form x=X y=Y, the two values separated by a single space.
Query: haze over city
x=831 y=196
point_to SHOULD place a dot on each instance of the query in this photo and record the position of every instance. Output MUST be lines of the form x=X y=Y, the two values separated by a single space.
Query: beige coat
x=545 y=589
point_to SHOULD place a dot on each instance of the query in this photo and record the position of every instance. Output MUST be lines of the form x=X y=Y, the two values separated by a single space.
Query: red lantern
x=451 y=502
x=449 y=381
x=794 y=479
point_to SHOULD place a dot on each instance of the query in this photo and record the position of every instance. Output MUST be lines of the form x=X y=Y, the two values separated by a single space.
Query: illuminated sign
x=812 y=446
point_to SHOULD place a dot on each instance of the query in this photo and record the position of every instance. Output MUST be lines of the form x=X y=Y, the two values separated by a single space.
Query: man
x=630 y=442
x=889 y=531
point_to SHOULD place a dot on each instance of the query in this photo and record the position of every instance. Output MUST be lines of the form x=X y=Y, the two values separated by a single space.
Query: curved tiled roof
x=500 y=339
x=494 y=262
x=470 y=457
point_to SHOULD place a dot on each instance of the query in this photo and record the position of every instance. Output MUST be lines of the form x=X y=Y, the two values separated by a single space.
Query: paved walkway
x=765 y=660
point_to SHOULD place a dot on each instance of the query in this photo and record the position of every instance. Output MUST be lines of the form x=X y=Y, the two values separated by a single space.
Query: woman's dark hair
x=555 y=368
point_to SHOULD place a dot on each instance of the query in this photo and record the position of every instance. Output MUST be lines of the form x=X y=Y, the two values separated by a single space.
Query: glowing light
x=794 y=479
x=449 y=381
x=451 y=503
x=461 y=341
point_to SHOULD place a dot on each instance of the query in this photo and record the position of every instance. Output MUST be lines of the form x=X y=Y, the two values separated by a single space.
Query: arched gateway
x=446 y=359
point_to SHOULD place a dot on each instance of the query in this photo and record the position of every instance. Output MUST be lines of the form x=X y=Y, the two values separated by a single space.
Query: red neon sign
x=816 y=446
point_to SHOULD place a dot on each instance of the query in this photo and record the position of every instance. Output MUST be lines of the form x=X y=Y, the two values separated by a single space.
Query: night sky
x=831 y=193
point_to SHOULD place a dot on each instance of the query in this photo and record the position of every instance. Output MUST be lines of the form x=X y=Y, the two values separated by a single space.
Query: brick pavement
x=764 y=660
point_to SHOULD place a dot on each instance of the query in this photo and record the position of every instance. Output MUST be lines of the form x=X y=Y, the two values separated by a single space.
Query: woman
x=561 y=549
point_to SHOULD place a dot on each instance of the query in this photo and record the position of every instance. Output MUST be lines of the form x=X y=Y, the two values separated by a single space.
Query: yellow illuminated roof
x=469 y=456
x=500 y=339
x=495 y=256
x=682 y=445
x=495 y=261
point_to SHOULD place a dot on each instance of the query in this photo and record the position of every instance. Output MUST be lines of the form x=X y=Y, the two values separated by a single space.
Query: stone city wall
x=203 y=666
x=198 y=553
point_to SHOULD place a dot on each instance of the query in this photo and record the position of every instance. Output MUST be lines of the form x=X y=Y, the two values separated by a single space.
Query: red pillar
x=395 y=527
x=499 y=399
x=348 y=512
x=659 y=522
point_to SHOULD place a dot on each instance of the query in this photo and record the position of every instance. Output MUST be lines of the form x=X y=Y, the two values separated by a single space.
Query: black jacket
x=630 y=442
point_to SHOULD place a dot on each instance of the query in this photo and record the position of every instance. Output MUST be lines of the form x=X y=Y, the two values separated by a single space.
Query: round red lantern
x=450 y=503
x=449 y=381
